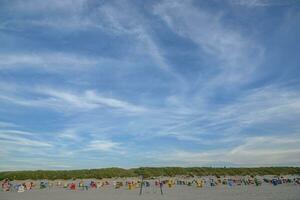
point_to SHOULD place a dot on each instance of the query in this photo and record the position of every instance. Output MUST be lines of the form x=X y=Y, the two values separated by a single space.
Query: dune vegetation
x=144 y=171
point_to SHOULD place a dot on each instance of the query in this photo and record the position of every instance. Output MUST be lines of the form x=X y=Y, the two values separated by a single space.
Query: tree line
x=146 y=172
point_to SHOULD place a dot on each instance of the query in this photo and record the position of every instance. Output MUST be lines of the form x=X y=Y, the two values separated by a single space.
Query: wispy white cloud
x=90 y=100
x=126 y=20
x=23 y=163
x=15 y=132
x=48 y=61
x=119 y=18
x=229 y=49
x=255 y=151
x=207 y=30
x=67 y=15
x=40 y=59
x=7 y=124
x=260 y=105
x=47 y=6
x=68 y=101
x=20 y=138
x=113 y=103
x=103 y=145
x=226 y=122
x=70 y=134
x=263 y=3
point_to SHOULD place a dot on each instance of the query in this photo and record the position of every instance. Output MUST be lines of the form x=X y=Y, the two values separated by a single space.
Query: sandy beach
x=178 y=192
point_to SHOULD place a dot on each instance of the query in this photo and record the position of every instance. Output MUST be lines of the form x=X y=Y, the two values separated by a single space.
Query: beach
x=178 y=192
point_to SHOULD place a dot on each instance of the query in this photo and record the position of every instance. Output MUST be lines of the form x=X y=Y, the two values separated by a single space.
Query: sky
x=96 y=83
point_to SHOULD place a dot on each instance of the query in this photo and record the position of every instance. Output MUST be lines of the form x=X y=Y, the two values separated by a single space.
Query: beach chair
x=28 y=185
x=93 y=185
x=72 y=186
x=58 y=184
x=257 y=182
x=43 y=185
x=274 y=182
x=100 y=184
x=129 y=186
x=134 y=184
x=6 y=185
x=265 y=180
x=199 y=183
x=212 y=183
x=170 y=183
x=81 y=185
x=118 y=185
x=15 y=187
x=20 y=188
x=147 y=183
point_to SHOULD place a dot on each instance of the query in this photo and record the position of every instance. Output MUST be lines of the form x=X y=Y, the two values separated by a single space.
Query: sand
x=264 y=192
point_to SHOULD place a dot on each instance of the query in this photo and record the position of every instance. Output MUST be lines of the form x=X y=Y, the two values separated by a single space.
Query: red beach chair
x=72 y=186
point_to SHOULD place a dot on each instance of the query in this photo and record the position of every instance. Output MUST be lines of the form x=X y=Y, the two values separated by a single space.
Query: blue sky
x=95 y=83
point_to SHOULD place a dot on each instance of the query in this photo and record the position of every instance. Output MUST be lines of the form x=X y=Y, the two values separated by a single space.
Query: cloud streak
x=263 y=3
x=256 y=151
x=20 y=138
x=103 y=145
x=50 y=62
x=57 y=99
x=226 y=44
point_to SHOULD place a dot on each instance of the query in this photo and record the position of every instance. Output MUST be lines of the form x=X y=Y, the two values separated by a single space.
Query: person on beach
x=161 y=187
